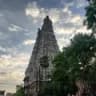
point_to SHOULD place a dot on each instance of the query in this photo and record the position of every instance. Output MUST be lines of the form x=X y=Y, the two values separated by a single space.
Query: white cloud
x=9 y=80
x=29 y=42
x=54 y=15
x=2 y=49
x=61 y=30
x=21 y=58
x=80 y=3
x=83 y=29
x=64 y=20
x=32 y=10
x=76 y=18
x=14 y=28
x=76 y=3
x=38 y=13
x=62 y=42
x=12 y=70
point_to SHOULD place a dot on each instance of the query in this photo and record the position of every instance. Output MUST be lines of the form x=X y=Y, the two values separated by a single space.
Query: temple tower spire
x=45 y=46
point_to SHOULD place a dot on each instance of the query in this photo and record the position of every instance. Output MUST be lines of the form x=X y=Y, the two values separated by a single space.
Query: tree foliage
x=20 y=92
x=90 y=20
x=77 y=61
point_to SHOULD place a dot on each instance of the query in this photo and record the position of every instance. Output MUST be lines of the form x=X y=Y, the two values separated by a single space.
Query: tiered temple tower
x=40 y=64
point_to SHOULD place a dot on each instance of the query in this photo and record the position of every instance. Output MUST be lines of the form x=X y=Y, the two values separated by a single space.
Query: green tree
x=20 y=92
x=90 y=20
x=76 y=62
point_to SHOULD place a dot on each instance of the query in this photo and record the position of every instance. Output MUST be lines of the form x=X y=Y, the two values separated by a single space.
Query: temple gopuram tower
x=40 y=65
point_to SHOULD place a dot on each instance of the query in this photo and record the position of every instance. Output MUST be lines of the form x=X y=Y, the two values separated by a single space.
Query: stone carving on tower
x=40 y=65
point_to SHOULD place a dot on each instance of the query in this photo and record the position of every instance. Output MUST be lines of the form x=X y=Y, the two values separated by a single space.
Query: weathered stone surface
x=46 y=45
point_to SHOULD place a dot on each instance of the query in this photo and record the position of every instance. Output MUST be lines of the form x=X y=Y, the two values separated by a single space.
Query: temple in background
x=40 y=65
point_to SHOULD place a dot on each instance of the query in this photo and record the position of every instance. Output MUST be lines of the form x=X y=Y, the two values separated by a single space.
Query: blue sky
x=19 y=21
